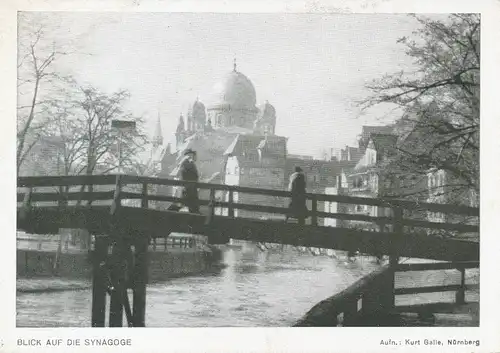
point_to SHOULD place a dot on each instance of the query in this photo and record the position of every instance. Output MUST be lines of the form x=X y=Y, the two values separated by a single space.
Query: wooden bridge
x=118 y=211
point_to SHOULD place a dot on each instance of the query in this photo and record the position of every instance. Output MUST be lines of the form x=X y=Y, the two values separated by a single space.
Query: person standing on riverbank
x=297 y=207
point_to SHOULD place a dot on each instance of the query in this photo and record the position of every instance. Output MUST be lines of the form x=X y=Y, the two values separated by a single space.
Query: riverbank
x=77 y=266
x=48 y=285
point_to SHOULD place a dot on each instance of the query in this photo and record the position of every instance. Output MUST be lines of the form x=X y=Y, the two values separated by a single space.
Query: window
x=219 y=120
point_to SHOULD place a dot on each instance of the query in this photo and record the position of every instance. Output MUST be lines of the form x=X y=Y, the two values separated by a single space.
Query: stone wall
x=162 y=265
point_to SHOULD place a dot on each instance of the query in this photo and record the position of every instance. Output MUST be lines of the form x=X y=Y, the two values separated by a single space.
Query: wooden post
x=25 y=210
x=209 y=219
x=393 y=253
x=350 y=312
x=117 y=279
x=117 y=257
x=230 y=207
x=99 y=282
x=144 y=200
x=460 y=294
x=140 y=281
x=314 y=210
x=115 y=205
x=211 y=212
x=58 y=251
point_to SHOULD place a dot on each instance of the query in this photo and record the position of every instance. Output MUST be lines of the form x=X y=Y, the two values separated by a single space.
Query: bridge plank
x=430 y=289
x=70 y=196
x=437 y=266
x=40 y=181
x=460 y=227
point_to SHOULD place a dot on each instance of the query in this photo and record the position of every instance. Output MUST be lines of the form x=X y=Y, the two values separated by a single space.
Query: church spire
x=180 y=125
x=158 y=136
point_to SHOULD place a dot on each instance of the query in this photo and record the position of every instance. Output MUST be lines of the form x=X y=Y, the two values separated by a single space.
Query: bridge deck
x=137 y=222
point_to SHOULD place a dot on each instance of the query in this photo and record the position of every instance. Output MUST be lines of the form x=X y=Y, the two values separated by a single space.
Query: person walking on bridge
x=297 y=207
x=189 y=172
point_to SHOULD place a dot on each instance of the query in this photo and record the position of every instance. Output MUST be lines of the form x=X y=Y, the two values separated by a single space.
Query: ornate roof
x=197 y=111
x=235 y=90
x=266 y=111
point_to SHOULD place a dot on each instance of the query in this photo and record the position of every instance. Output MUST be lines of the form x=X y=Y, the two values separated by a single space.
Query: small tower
x=197 y=117
x=158 y=136
x=180 y=132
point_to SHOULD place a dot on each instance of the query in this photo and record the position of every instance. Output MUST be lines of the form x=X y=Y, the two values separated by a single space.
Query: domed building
x=231 y=135
x=236 y=144
x=235 y=102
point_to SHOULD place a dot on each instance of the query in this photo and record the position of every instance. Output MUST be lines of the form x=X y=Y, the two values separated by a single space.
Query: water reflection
x=256 y=288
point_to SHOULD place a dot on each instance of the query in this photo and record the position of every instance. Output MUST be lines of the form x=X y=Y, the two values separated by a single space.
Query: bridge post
x=140 y=270
x=460 y=294
x=99 y=281
x=230 y=206
x=394 y=252
x=25 y=210
x=117 y=297
x=140 y=280
x=117 y=256
x=314 y=211
x=144 y=200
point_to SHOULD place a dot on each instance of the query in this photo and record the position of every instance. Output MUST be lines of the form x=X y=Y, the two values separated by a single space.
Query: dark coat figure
x=297 y=186
x=189 y=172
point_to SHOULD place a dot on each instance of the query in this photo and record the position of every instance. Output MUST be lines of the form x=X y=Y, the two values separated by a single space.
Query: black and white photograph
x=210 y=170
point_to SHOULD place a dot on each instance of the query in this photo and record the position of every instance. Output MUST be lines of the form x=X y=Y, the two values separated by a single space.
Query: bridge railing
x=368 y=302
x=101 y=189
x=459 y=288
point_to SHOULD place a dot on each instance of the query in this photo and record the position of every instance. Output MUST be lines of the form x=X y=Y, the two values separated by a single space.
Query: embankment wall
x=162 y=265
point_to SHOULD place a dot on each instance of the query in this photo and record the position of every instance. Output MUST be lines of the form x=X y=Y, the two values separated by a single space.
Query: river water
x=256 y=288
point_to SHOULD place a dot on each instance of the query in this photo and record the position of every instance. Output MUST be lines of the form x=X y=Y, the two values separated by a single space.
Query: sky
x=311 y=67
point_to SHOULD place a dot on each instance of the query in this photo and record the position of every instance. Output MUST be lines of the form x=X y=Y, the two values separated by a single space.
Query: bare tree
x=39 y=82
x=440 y=101
x=89 y=145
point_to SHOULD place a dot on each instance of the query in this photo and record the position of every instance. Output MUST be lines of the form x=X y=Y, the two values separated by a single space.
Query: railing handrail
x=109 y=179
x=437 y=266
x=107 y=196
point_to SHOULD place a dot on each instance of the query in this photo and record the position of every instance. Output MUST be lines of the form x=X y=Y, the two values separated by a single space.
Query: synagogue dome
x=235 y=90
